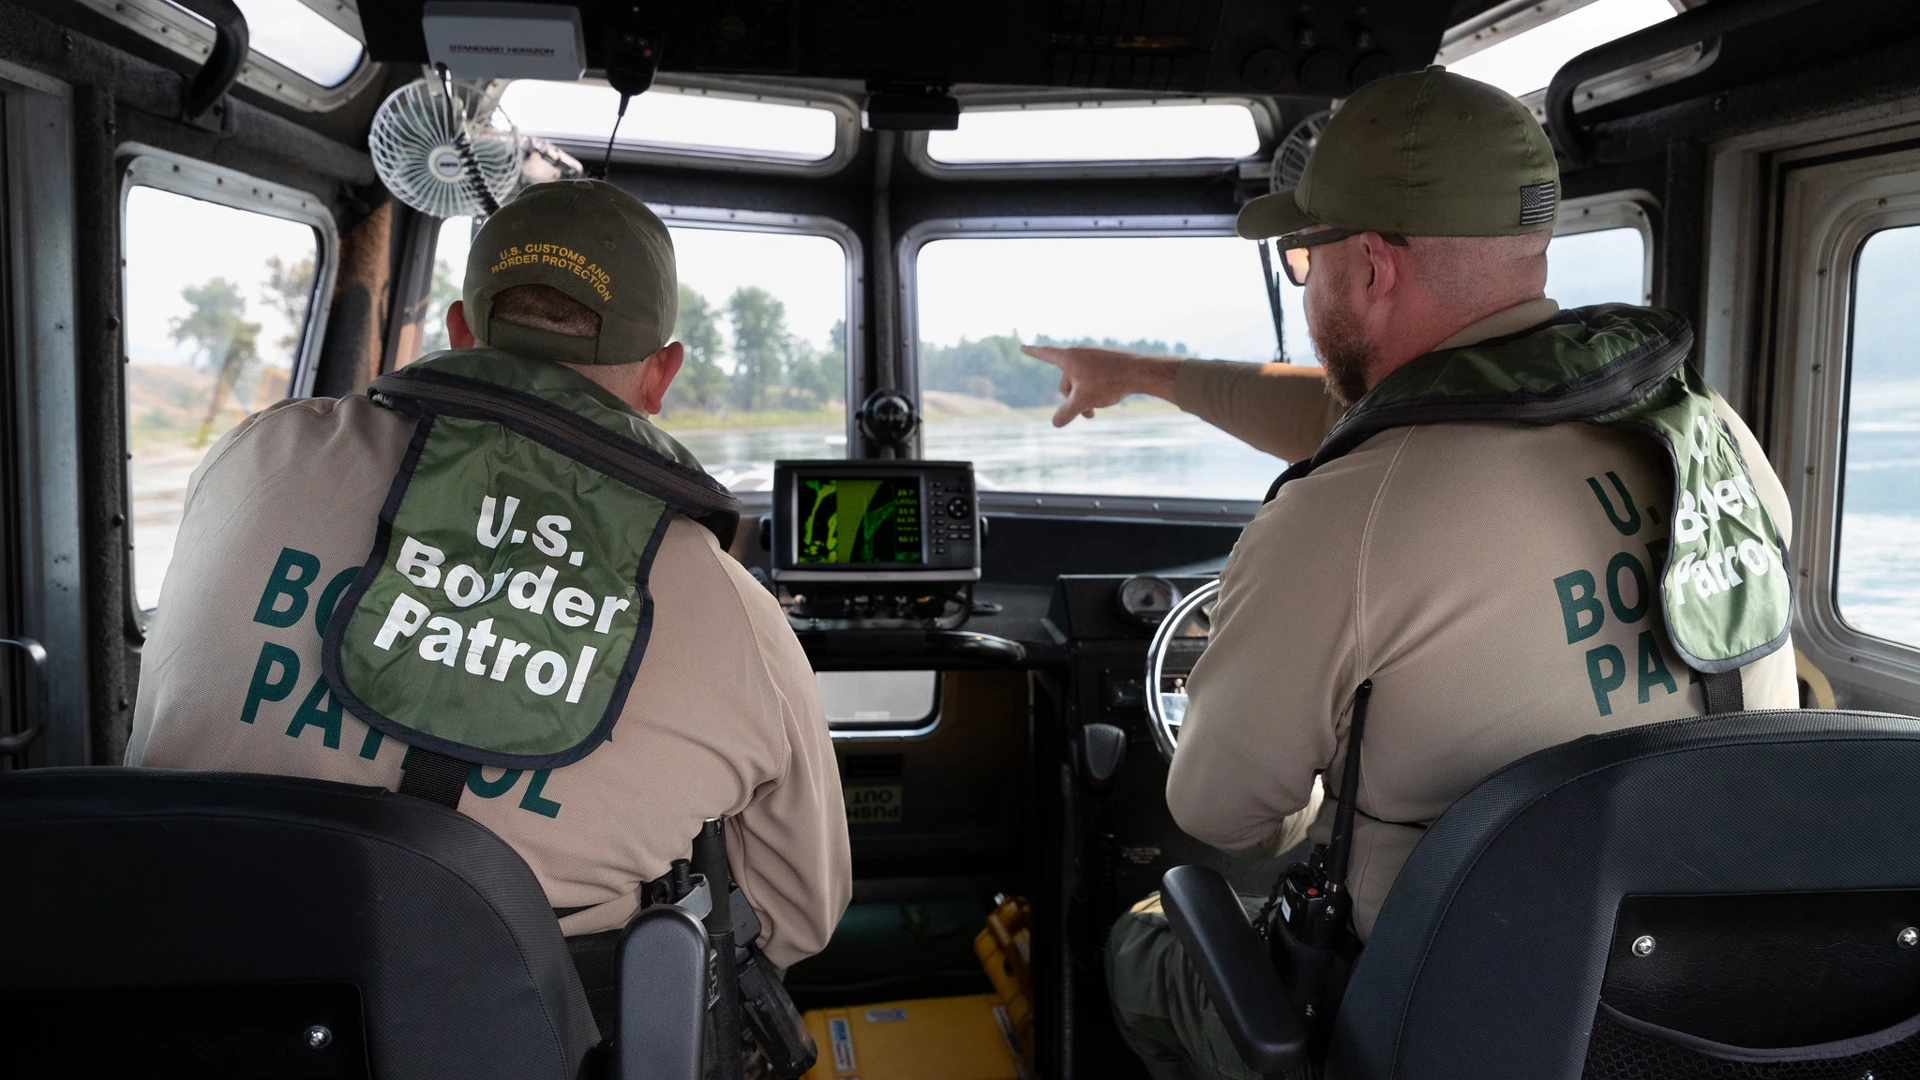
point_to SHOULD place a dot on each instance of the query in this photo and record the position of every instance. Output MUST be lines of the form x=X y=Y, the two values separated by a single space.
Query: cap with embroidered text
x=593 y=242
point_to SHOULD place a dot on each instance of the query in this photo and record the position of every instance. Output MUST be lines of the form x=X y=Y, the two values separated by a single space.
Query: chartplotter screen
x=872 y=521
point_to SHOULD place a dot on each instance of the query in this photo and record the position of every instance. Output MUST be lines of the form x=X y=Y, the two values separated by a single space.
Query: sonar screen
x=857 y=522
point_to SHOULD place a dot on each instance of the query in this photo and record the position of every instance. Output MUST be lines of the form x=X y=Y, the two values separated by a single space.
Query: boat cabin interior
x=212 y=205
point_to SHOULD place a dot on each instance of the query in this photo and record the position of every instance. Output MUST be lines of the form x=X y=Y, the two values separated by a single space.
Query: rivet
x=1909 y=937
x=318 y=1037
x=1643 y=945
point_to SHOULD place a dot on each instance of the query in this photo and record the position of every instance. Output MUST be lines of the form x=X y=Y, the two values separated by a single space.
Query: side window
x=449 y=273
x=1876 y=581
x=1607 y=266
x=689 y=125
x=879 y=703
x=980 y=298
x=219 y=302
x=300 y=38
x=1602 y=251
x=1097 y=131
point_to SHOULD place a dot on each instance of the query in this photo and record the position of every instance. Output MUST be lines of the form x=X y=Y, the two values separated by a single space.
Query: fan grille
x=414 y=152
x=1290 y=157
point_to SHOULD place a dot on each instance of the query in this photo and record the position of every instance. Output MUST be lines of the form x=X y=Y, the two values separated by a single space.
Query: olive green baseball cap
x=592 y=241
x=1426 y=154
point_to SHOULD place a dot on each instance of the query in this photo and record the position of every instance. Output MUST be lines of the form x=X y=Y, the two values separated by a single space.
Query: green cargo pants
x=1160 y=1004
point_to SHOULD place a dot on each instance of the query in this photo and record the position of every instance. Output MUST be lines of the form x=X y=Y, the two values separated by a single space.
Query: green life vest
x=504 y=609
x=1724 y=588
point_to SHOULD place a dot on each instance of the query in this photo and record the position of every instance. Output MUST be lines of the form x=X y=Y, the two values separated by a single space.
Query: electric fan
x=1290 y=157
x=436 y=159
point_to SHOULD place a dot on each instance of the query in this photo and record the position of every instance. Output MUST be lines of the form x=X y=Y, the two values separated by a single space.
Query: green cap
x=592 y=241
x=1427 y=154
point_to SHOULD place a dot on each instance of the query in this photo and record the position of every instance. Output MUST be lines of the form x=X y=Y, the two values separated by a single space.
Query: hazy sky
x=1106 y=132
x=174 y=241
x=1203 y=291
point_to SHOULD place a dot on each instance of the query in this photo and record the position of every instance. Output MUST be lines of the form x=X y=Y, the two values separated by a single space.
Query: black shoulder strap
x=1723 y=692
x=1340 y=845
x=688 y=490
x=433 y=776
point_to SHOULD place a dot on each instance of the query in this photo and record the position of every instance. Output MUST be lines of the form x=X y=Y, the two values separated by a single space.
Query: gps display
x=868 y=522
x=859 y=522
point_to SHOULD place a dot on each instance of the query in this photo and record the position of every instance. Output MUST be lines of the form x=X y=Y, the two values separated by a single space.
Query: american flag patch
x=1537 y=203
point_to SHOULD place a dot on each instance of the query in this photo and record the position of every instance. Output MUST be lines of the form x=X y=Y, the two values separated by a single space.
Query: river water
x=1117 y=453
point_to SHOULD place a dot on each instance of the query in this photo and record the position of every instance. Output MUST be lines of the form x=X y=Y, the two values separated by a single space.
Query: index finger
x=1049 y=353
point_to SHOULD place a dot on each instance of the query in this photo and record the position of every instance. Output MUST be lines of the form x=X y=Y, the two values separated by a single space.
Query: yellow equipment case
x=975 y=1037
x=950 y=1038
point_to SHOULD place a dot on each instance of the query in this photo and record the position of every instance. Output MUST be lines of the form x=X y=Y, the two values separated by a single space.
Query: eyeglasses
x=1296 y=249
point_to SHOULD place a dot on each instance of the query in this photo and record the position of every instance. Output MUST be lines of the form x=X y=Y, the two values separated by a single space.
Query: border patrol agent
x=495 y=574
x=1532 y=525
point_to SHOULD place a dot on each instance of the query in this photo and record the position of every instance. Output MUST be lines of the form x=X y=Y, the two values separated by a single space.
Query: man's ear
x=459 y=335
x=656 y=375
x=1385 y=260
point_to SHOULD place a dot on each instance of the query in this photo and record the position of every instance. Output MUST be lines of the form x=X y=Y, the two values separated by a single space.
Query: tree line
x=757 y=364
x=994 y=367
x=770 y=367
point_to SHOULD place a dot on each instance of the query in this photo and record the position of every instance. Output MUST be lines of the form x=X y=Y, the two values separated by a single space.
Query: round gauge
x=1147 y=598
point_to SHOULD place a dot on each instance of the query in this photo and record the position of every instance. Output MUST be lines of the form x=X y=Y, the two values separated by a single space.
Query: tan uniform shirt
x=1462 y=568
x=724 y=716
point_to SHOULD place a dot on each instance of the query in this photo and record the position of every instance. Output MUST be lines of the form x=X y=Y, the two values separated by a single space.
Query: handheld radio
x=1308 y=920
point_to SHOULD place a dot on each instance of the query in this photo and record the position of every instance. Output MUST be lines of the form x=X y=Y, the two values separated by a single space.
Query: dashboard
x=1038 y=574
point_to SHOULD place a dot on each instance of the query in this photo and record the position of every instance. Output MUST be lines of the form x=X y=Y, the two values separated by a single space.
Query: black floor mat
x=895 y=951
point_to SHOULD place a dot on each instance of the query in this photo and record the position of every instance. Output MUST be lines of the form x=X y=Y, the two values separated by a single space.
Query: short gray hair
x=1470 y=268
x=543 y=307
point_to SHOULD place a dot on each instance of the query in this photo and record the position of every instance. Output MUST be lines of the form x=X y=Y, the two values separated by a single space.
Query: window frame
x=160 y=22
x=1052 y=227
x=48 y=531
x=1512 y=18
x=1830 y=214
x=164 y=170
x=1265 y=122
x=845 y=110
x=867 y=730
x=1632 y=209
x=722 y=219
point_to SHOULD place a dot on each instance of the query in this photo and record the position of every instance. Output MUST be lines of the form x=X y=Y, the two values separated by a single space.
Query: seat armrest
x=1234 y=964
x=663 y=996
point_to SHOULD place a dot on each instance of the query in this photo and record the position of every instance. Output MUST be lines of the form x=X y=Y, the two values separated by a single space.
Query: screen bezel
x=919 y=478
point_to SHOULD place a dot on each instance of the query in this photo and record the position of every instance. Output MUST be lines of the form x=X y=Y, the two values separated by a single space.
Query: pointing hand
x=1093 y=378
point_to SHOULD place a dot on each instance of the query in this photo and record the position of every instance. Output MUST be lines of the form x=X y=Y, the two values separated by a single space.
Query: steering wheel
x=1176 y=647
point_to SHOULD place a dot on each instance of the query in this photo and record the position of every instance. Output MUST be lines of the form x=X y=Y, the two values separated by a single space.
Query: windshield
x=981 y=298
